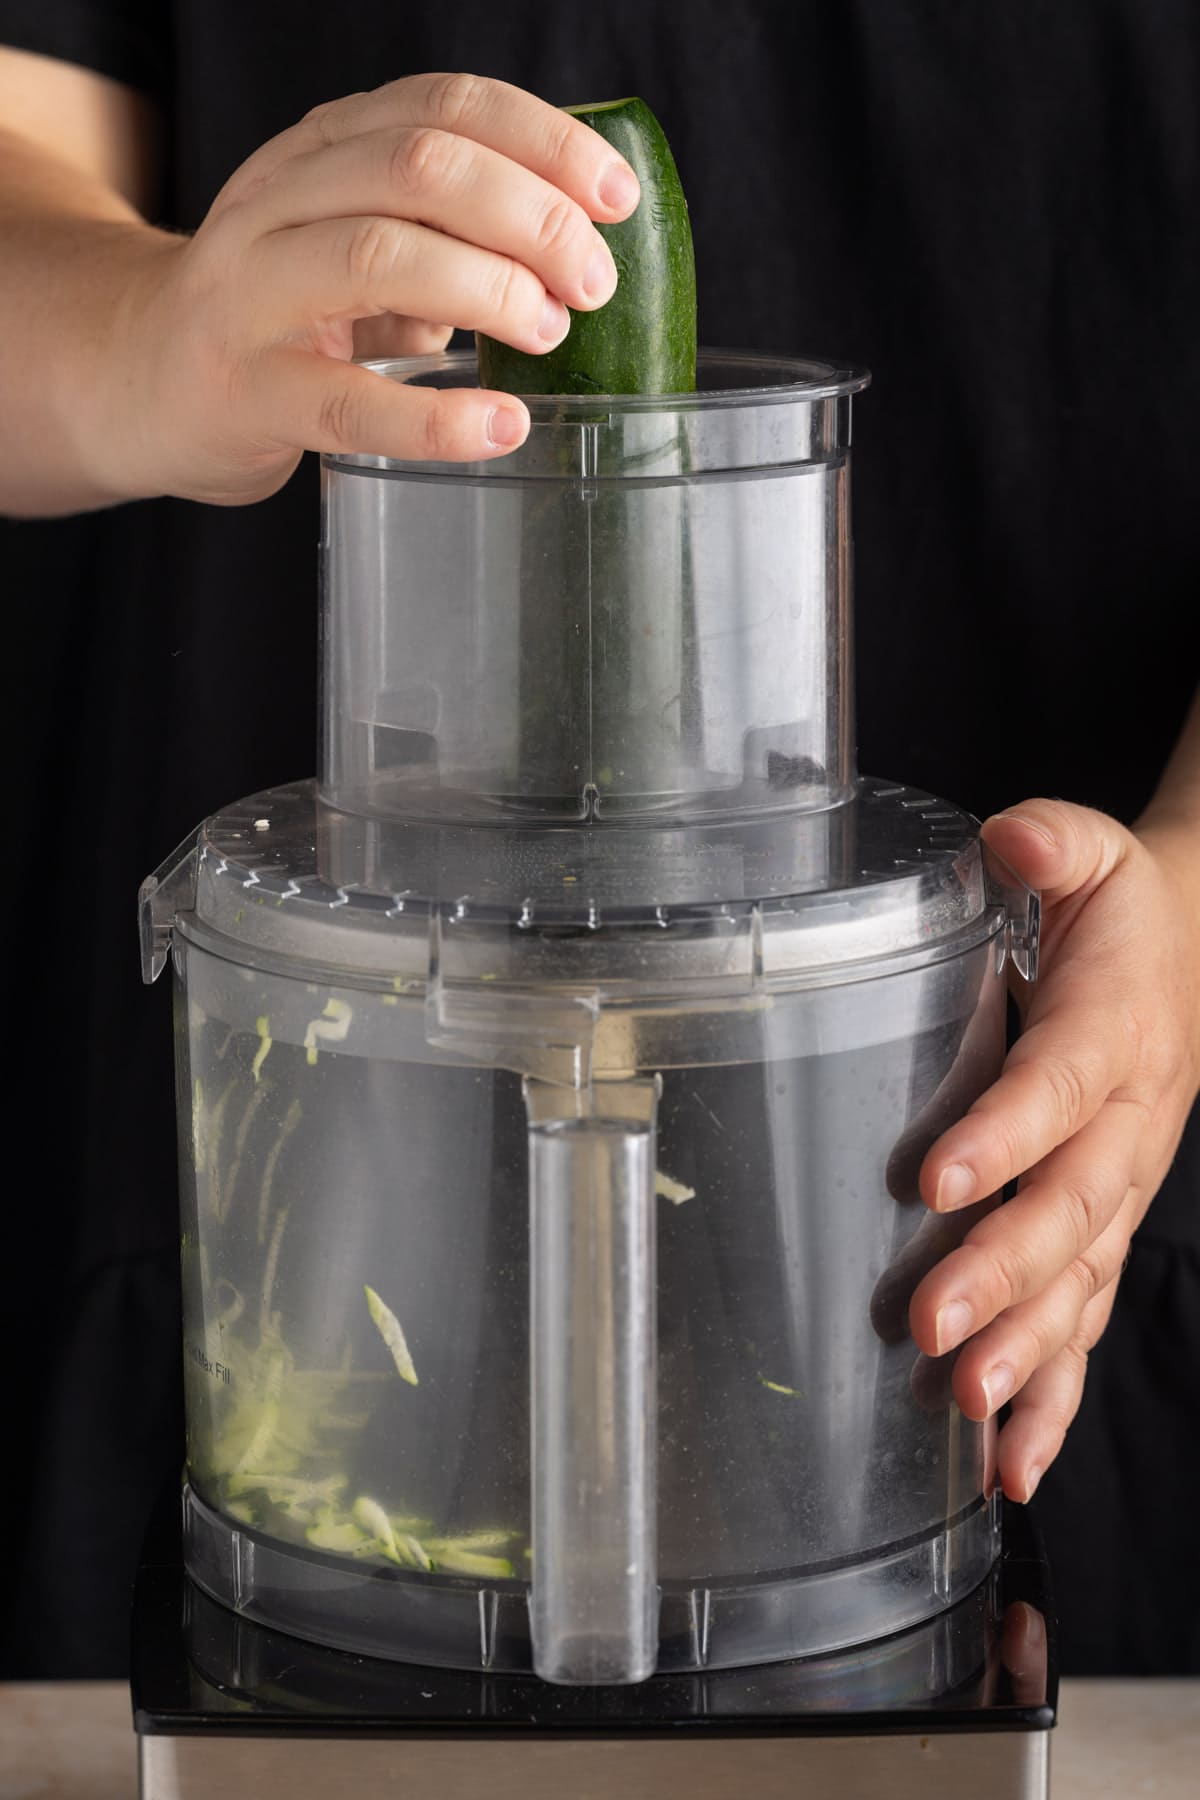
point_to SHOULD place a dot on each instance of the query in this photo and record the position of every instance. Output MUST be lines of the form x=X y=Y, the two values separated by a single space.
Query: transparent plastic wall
x=644 y=611
x=377 y=1479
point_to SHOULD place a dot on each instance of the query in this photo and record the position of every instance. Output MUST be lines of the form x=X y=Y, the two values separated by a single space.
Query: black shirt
x=993 y=208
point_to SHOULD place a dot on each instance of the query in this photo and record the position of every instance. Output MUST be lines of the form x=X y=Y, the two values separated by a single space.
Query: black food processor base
x=960 y=1705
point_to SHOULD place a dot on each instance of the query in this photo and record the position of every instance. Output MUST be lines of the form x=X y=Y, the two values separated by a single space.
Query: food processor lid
x=283 y=880
x=748 y=410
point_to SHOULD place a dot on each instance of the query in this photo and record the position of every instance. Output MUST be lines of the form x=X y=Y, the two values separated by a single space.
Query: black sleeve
x=128 y=40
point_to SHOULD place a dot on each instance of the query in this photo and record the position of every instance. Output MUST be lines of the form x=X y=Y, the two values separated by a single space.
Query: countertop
x=73 y=1741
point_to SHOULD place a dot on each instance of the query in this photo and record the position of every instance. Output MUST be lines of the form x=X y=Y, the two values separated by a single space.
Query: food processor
x=553 y=1075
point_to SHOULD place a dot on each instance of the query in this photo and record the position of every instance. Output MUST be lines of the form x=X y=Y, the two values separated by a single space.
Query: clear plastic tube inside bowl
x=644 y=612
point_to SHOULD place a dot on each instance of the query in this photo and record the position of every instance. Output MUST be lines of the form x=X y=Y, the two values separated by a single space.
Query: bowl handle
x=594 y=1600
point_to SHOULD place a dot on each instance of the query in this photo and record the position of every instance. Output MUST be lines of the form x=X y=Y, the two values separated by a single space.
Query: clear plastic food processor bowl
x=554 y=1074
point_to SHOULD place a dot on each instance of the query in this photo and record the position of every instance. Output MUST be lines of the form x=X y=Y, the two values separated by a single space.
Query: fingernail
x=998 y=1386
x=619 y=188
x=952 y=1325
x=600 y=276
x=1031 y=1481
x=1021 y=818
x=555 y=321
x=956 y=1186
x=506 y=427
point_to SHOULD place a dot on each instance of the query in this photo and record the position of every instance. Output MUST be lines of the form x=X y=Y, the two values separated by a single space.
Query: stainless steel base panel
x=986 y=1765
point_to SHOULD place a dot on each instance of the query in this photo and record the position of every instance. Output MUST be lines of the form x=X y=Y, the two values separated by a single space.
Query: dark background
x=993 y=206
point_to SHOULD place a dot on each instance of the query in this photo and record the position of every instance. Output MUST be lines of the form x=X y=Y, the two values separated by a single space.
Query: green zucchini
x=388 y=1326
x=643 y=341
x=342 y=1540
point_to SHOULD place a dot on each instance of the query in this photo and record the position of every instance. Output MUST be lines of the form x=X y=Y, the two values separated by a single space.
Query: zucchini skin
x=643 y=341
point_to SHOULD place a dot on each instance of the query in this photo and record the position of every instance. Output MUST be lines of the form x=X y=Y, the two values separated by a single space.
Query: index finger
x=1024 y=1654
x=502 y=117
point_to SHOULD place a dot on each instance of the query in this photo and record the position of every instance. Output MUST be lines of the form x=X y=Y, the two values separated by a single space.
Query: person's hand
x=372 y=227
x=1017 y=1673
x=1088 y=1113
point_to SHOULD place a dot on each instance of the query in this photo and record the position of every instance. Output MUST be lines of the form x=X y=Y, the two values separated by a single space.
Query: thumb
x=1056 y=847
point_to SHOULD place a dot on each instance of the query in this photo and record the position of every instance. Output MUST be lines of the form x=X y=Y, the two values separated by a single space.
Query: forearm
x=73 y=257
x=1170 y=829
x=1172 y=819
x=1177 y=796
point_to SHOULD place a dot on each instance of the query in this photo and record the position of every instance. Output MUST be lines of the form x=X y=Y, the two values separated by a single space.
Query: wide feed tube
x=594 y=1599
x=643 y=612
